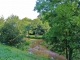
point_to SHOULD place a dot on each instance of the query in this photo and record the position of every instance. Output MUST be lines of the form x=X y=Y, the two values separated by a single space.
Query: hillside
x=11 y=53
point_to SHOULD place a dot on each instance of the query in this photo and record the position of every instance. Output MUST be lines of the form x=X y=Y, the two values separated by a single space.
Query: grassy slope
x=11 y=53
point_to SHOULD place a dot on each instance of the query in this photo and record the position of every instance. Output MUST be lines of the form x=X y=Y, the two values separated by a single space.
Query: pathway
x=37 y=48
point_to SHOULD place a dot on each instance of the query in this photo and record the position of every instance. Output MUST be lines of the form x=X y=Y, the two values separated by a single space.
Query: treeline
x=13 y=29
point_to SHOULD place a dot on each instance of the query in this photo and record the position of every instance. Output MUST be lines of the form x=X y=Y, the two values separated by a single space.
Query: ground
x=37 y=48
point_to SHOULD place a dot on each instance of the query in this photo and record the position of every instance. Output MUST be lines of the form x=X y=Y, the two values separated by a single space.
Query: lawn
x=33 y=36
x=12 y=53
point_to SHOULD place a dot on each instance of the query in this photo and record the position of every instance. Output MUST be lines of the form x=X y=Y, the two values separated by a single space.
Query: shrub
x=23 y=45
x=10 y=34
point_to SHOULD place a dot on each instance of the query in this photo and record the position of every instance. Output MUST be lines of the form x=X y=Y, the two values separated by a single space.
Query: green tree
x=36 y=26
x=1 y=22
x=23 y=23
x=28 y=28
x=45 y=26
x=10 y=34
x=39 y=27
x=64 y=19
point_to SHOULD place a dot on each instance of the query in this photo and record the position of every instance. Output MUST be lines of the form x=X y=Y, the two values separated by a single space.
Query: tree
x=10 y=34
x=64 y=19
x=36 y=26
x=28 y=28
x=1 y=22
x=39 y=27
x=23 y=23
x=45 y=26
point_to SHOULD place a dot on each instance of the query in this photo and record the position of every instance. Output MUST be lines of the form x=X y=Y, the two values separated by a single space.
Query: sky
x=21 y=8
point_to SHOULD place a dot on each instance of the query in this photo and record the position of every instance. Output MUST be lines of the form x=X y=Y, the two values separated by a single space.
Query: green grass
x=33 y=36
x=12 y=53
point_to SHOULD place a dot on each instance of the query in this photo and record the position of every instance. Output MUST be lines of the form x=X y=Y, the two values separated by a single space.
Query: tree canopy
x=64 y=19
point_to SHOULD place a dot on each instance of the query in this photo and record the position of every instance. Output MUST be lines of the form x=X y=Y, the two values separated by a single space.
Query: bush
x=27 y=42
x=23 y=45
x=10 y=34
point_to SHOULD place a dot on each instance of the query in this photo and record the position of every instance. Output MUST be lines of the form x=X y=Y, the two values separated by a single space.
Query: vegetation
x=33 y=36
x=11 y=53
x=58 y=24
x=37 y=27
x=12 y=32
x=13 y=29
x=64 y=19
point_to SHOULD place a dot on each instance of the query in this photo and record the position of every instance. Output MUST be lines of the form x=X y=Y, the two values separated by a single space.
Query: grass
x=33 y=36
x=12 y=53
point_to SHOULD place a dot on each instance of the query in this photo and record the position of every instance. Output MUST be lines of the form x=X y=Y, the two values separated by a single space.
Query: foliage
x=1 y=22
x=23 y=45
x=23 y=23
x=64 y=19
x=10 y=34
x=38 y=27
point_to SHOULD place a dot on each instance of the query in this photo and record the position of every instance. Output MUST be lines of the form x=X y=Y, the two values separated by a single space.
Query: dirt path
x=37 y=48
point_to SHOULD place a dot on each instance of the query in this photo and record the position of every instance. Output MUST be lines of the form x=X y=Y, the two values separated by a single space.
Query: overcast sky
x=21 y=8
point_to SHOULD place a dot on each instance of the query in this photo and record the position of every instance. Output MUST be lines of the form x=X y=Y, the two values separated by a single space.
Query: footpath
x=38 y=49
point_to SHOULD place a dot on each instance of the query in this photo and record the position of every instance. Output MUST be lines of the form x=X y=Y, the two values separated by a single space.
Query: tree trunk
x=36 y=33
x=28 y=33
x=66 y=50
x=66 y=53
x=70 y=53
